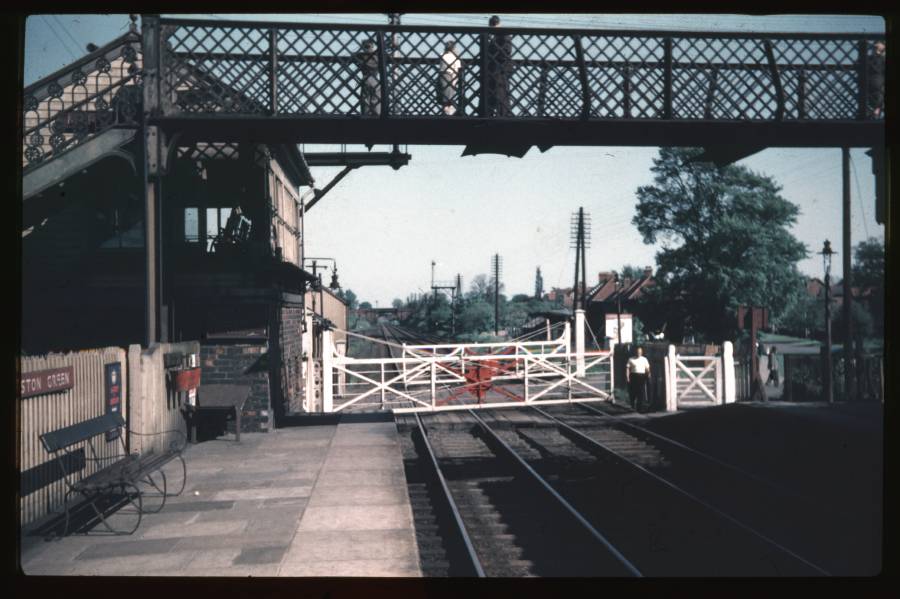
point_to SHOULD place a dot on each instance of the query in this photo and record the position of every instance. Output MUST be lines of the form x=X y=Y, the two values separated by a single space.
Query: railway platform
x=319 y=500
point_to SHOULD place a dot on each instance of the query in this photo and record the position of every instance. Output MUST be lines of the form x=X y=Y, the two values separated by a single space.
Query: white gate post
x=579 y=343
x=612 y=377
x=526 y=378
x=728 y=368
x=547 y=324
x=341 y=347
x=327 y=371
x=671 y=380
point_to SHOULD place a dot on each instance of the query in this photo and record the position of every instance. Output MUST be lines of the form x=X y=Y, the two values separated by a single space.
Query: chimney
x=604 y=276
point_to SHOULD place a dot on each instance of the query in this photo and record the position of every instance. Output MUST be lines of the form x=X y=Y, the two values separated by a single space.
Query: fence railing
x=41 y=487
x=148 y=400
x=96 y=93
x=259 y=68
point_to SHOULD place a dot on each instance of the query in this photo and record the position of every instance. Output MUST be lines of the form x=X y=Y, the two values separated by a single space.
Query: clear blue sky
x=384 y=227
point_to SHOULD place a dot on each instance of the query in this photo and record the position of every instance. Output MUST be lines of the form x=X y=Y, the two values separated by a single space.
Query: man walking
x=636 y=373
x=498 y=71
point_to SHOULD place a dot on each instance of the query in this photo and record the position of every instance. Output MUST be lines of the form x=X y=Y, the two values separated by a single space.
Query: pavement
x=310 y=501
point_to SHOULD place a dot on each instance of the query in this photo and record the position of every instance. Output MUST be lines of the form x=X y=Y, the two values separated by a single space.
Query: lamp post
x=826 y=262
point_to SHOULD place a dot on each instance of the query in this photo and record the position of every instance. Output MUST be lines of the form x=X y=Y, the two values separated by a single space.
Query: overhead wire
x=59 y=37
x=67 y=32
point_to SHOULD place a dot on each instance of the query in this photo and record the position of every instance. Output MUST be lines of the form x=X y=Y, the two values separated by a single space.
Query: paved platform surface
x=326 y=500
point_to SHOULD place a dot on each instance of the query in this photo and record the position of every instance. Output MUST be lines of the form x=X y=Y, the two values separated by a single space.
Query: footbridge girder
x=400 y=84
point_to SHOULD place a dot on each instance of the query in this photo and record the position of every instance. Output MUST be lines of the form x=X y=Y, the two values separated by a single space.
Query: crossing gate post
x=728 y=371
x=671 y=381
x=579 y=343
x=341 y=348
x=327 y=371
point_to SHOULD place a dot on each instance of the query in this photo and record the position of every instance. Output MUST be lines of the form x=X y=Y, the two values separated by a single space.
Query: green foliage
x=366 y=305
x=725 y=240
x=868 y=269
x=804 y=315
x=348 y=296
x=631 y=272
x=861 y=322
x=477 y=316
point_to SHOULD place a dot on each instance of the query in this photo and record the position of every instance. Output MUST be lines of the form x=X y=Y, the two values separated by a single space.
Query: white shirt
x=638 y=365
x=450 y=65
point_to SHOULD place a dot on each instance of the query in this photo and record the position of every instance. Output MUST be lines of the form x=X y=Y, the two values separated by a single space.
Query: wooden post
x=848 y=277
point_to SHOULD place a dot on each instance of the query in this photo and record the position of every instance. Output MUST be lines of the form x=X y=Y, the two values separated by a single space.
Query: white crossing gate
x=434 y=377
x=697 y=381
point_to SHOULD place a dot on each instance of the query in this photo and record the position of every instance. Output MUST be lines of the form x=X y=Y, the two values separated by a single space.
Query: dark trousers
x=637 y=392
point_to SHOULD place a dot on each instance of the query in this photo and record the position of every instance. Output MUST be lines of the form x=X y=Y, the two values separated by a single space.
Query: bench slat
x=70 y=435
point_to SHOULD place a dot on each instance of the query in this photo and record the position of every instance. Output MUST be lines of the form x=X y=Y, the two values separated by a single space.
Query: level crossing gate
x=437 y=377
x=697 y=381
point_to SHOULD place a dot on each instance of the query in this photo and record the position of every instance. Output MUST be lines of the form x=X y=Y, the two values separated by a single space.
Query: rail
x=462 y=535
x=558 y=499
x=579 y=437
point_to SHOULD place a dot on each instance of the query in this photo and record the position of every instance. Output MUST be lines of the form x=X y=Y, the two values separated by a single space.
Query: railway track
x=799 y=524
x=496 y=516
x=568 y=491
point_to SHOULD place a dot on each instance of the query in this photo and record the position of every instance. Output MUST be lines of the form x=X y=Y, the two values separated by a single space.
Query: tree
x=348 y=296
x=725 y=240
x=804 y=315
x=631 y=272
x=868 y=267
x=397 y=303
x=365 y=306
x=477 y=316
x=481 y=287
x=868 y=273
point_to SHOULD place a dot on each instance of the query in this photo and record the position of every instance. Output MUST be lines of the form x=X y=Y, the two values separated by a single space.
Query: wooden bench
x=221 y=397
x=119 y=475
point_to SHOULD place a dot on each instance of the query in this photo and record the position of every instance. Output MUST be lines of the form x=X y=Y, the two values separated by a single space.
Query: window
x=192 y=225
x=216 y=219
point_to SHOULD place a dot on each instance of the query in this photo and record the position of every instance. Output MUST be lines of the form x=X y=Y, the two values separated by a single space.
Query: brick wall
x=241 y=362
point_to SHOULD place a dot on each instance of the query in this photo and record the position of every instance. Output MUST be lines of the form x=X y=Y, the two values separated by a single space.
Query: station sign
x=47 y=381
x=113 y=385
x=612 y=327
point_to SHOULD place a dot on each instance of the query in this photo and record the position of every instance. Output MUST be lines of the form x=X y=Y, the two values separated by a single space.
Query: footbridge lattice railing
x=301 y=69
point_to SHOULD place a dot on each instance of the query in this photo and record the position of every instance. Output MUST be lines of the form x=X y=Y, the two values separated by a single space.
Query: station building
x=231 y=241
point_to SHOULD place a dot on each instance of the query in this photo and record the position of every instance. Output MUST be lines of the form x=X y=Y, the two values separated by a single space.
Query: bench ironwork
x=120 y=475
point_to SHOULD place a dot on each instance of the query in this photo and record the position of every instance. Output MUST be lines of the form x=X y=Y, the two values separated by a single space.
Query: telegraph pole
x=580 y=232
x=848 y=294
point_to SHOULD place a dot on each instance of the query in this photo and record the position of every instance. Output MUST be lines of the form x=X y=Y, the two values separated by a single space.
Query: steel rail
x=705 y=456
x=580 y=438
x=560 y=500
x=463 y=534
